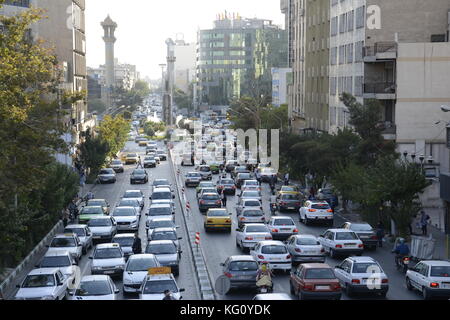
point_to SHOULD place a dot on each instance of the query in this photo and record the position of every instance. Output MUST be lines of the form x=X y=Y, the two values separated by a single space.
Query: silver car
x=167 y=254
x=43 y=284
x=282 y=227
x=125 y=240
x=159 y=223
x=305 y=248
x=249 y=235
x=251 y=194
x=67 y=242
x=84 y=235
x=248 y=203
x=98 y=287
x=103 y=228
x=165 y=234
x=108 y=259
x=127 y=218
x=136 y=271
x=241 y=270
x=192 y=179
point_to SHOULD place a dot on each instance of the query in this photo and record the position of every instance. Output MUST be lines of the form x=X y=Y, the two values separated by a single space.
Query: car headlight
x=48 y=298
x=96 y=268
x=119 y=267
x=173 y=263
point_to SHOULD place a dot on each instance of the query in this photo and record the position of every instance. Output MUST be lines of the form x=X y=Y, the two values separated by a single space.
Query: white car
x=205 y=172
x=250 y=234
x=136 y=271
x=108 y=259
x=62 y=260
x=43 y=284
x=125 y=240
x=251 y=185
x=274 y=253
x=135 y=194
x=130 y=203
x=157 y=211
x=162 y=196
x=251 y=215
x=305 y=248
x=281 y=227
x=316 y=211
x=67 y=242
x=154 y=286
x=248 y=204
x=251 y=194
x=432 y=278
x=103 y=228
x=341 y=242
x=98 y=287
x=362 y=274
x=127 y=218
x=84 y=235
x=153 y=224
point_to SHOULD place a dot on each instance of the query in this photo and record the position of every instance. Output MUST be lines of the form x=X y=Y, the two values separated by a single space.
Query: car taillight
x=242 y=219
x=337 y=286
x=406 y=259
x=202 y=202
x=374 y=237
x=322 y=250
x=220 y=187
x=339 y=246
x=361 y=245
x=298 y=250
x=329 y=210
x=274 y=230
x=288 y=256
x=295 y=230
x=356 y=281
x=434 y=285
x=308 y=287
x=282 y=203
x=228 y=221
x=228 y=275
x=268 y=238
x=384 y=281
x=260 y=256
x=218 y=202
x=312 y=210
x=249 y=238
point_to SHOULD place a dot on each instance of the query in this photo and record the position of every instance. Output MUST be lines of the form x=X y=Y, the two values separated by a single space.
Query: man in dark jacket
x=137 y=245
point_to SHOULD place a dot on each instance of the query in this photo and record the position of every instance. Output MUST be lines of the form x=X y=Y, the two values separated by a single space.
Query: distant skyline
x=143 y=26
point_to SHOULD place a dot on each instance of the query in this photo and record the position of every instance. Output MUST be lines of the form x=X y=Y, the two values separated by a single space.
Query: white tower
x=109 y=26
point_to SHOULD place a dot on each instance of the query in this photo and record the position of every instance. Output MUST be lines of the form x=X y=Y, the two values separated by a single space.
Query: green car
x=215 y=168
x=204 y=184
x=88 y=213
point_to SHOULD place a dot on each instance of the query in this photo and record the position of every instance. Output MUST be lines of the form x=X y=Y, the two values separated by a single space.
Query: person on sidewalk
x=380 y=233
x=65 y=216
x=223 y=196
x=424 y=222
x=258 y=176
x=286 y=179
x=137 y=244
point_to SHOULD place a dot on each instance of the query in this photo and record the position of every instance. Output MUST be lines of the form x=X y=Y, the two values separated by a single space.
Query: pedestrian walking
x=286 y=179
x=380 y=233
x=424 y=218
x=137 y=244
x=258 y=175
x=223 y=196
x=65 y=216
x=82 y=179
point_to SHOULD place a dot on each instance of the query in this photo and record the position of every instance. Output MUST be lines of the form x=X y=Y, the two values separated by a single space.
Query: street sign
x=159 y=270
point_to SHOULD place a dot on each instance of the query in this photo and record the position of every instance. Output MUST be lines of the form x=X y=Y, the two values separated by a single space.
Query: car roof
x=362 y=259
x=97 y=200
x=165 y=229
x=125 y=207
x=160 y=242
x=97 y=277
x=340 y=230
x=161 y=189
x=76 y=226
x=141 y=256
x=124 y=235
x=129 y=191
x=305 y=236
x=160 y=277
x=209 y=194
x=104 y=217
x=315 y=265
x=107 y=245
x=65 y=235
x=271 y=242
x=43 y=271
x=162 y=219
x=281 y=217
x=241 y=258
x=435 y=263
x=92 y=207
x=250 y=199
x=159 y=205
x=255 y=224
x=56 y=253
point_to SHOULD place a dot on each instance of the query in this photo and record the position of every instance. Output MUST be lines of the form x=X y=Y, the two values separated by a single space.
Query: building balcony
x=381 y=51
x=390 y=130
x=380 y=90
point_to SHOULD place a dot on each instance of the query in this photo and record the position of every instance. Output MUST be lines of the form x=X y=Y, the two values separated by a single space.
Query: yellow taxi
x=289 y=190
x=218 y=219
x=131 y=158
x=143 y=143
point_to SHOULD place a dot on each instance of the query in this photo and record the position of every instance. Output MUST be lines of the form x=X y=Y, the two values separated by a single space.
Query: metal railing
x=380 y=87
x=379 y=47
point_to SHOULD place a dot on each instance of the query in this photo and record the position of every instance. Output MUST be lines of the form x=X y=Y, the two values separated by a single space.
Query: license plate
x=263 y=290
x=322 y=287
x=291 y=208
x=109 y=272
x=285 y=229
x=241 y=278
x=349 y=245
x=446 y=286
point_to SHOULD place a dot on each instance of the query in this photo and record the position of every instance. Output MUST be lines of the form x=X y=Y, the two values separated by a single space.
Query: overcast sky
x=144 y=25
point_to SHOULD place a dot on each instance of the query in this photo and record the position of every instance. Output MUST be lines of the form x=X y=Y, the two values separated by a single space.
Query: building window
x=359 y=51
x=333 y=56
x=342 y=23
x=359 y=86
x=350 y=53
x=360 y=15
x=333 y=86
x=351 y=20
x=341 y=54
x=18 y=3
x=334 y=26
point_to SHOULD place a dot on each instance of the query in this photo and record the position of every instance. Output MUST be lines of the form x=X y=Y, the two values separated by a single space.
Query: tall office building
x=186 y=55
x=236 y=56
x=63 y=30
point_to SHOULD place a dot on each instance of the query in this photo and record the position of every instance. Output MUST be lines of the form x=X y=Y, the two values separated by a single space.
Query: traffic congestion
x=268 y=237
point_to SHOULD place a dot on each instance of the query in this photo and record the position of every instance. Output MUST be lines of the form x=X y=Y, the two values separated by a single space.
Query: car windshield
x=136 y=265
x=227 y=181
x=159 y=286
x=160 y=183
x=361 y=227
x=161 y=224
x=284 y=222
x=253 y=213
x=251 y=183
x=164 y=235
x=124 y=212
x=210 y=197
x=40 y=280
x=128 y=203
x=205 y=185
x=108 y=253
x=133 y=195
x=319 y=273
x=368 y=267
x=209 y=190
x=218 y=213
x=244 y=176
x=205 y=169
x=243 y=266
x=106 y=171
x=124 y=242
x=100 y=223
x=251 y=229
x=78 y=231
x=162 y=195
x=289 y=197
x=93 y=288
x=346 y=236
x=273 y=249
x=149 y=159
x=56 y=262
x=251 y=194
x=166 y=248
x=139 y=172
x=63 y=242
x=96 y=203
x=440 y=271
x=307 y=242
x=253 y=203
x=132 y=155
x=116 y=162
x=92 y=210
x=194 y=175
x=320 y=206
x=160 y=211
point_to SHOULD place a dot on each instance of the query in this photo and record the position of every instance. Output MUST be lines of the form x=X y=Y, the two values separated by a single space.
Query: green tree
x=96 y=105
x=114 y=132
x=93 y=152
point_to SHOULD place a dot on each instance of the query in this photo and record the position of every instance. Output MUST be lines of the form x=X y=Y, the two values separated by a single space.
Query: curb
x=203 y=278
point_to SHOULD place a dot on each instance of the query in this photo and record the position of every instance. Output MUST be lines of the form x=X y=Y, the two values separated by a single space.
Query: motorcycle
x=273 y=208
x=402 y=263
x=272 y=189
x=264 y=284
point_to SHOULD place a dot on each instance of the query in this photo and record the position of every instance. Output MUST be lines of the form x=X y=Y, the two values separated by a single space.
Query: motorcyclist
x=401 y=250
x=264 y=277
x=273 y=203
x=73 y=209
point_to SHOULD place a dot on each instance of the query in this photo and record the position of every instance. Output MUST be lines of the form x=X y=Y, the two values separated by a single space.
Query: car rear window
x=346 y=236
x=160 y=211
x=320 y=206
x=284 y=222
x=366 y=268
x=307 y=242
x=273 y=249
x=161 y=195
x=252 y=203
x=440 y=271
x=243 y=266
x=361 y=227
x=253 y=213
x=251 y=228
x=164 y=235
x=210 y=197
x=289 y=197
x=319 y=273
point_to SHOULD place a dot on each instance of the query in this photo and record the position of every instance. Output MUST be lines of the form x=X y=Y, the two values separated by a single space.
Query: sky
x=144 y=25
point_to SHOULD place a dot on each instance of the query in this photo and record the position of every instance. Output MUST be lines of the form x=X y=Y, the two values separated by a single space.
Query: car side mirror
x=91 y=258
x=180 y=238
x=37 y=266
x=116 y=290
x=222 y=264
x=321 y=236
x=182 y=290
x=173 y=196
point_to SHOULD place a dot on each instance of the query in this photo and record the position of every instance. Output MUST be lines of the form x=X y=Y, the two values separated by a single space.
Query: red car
x=315 y=281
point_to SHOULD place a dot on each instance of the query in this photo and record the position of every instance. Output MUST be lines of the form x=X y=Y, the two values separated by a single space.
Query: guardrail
x=24 y=264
